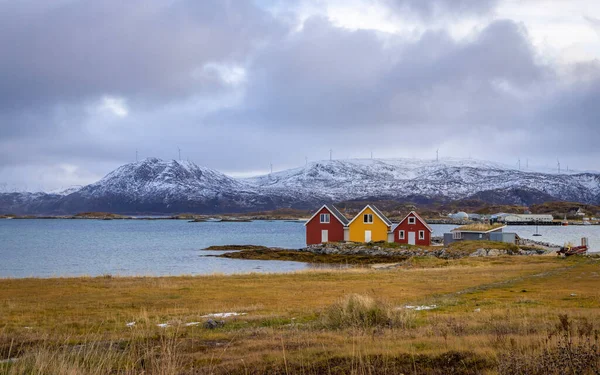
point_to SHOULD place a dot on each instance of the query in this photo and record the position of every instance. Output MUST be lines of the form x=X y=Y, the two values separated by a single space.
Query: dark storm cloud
x=328 y=77
x=77 y=49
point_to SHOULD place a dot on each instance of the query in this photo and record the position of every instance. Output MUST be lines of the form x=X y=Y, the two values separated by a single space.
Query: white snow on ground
x=222 y=315
x=191 y=324
x=420 y=308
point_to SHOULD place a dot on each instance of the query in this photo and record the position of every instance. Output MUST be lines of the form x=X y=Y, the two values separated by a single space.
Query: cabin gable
x=370 y=225
x=413 y=230
x=324 y=226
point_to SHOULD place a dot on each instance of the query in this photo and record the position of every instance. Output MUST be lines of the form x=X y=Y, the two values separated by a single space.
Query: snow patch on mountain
x=155 y=185
x=401 y=178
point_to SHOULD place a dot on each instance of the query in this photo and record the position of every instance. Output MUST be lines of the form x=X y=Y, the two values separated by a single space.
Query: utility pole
x=519 y=163
x=271 y=168
x=178 y=149
x=437 y=155
x=330 y=154
x=558 y=164
x=527 y=165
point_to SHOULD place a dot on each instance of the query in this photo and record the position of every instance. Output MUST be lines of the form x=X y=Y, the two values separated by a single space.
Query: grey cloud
x=327 y=77
x=437 y=8
x=305 y=91
x=77 y=49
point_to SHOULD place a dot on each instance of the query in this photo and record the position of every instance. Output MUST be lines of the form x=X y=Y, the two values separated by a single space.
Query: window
x=368 y=218
x=401 y=235
x=412 y=220
x=421 y=234
x=456 y=235
x=324 y=218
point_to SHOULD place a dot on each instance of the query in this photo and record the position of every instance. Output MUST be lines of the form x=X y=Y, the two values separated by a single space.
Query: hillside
x=157 y=186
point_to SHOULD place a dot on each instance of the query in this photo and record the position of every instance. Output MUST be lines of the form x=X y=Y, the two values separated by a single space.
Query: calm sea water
x=46 y=248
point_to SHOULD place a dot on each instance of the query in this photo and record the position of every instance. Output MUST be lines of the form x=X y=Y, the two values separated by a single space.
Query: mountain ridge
x=159 y=186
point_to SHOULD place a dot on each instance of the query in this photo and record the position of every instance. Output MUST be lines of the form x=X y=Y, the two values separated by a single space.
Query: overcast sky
x=238 y=85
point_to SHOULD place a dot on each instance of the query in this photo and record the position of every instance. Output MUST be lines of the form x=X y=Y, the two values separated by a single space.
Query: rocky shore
x=382 y=252
x=453 y=252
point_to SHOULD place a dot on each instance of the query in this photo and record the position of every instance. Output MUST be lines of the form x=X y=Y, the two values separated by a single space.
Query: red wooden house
x=413 y=230
x=326 y=225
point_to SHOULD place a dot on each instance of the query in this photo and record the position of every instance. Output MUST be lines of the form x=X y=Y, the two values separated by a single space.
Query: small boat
x=569 y=249
x=572 y=250
x=565 y=222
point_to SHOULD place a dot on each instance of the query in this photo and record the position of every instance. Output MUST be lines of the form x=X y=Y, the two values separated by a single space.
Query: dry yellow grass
x=483 y=307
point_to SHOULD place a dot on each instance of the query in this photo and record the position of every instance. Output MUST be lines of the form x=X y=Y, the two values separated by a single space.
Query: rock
x=495 y=252
x=212 y=324
x=479 y=253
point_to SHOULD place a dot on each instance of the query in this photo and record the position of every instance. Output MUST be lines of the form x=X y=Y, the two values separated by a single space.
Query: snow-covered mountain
x=448 y=178
x=154 y=185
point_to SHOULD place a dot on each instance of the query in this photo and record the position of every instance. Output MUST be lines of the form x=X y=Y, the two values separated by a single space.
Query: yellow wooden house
x=370 y=225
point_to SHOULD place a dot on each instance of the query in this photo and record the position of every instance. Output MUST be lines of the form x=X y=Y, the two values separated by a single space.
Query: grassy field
x=503 y=315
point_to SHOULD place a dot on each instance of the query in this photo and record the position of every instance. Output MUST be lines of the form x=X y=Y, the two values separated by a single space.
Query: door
x=367 y=236
x=324 y=236
x=411 y=238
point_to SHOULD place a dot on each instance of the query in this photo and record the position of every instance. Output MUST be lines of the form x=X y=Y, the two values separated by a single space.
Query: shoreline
x=201 y=218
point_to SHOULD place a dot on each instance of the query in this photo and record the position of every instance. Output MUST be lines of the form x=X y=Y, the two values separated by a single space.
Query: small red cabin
x=413 y=230
x=326 y=225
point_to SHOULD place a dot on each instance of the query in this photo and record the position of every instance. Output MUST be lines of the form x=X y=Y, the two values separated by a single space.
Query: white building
x=523 y=218
x=459 y=216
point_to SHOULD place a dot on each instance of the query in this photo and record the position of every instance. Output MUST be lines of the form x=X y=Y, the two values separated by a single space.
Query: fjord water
x=47 y=248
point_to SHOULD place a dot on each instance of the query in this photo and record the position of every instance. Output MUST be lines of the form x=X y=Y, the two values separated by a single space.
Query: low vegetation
x=479 y=227
x=308 y=257
x=502 y=315
x=466 y=248
x=369 y=252
x=364 y=312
